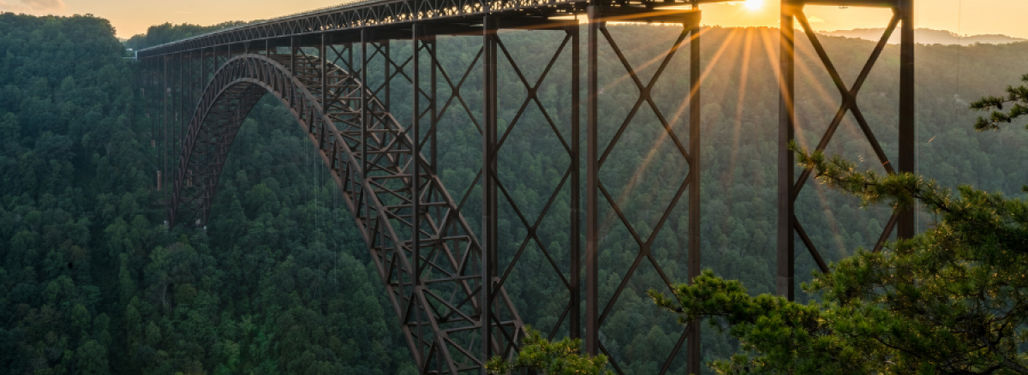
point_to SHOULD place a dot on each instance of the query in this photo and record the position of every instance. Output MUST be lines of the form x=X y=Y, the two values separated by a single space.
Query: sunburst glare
x=754 y=5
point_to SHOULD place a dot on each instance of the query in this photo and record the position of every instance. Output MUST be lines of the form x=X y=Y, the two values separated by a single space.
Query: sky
x=966 y=17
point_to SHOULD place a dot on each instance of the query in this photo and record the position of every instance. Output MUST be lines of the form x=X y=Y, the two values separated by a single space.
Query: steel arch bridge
x=334 y=69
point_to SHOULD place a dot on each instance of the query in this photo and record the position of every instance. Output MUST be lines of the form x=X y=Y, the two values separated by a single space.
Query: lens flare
x=754 y=5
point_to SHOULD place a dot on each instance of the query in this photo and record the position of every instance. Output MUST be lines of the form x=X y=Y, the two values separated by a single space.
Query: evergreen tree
x=951 y=300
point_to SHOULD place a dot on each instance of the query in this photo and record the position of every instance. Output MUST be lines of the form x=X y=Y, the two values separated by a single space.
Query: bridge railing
x=356 y=14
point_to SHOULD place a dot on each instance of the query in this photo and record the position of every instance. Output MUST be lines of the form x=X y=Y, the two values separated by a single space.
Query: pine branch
x=1016 y=99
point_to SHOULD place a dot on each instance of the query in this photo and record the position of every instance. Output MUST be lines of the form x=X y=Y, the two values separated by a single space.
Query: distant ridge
x=928 y=36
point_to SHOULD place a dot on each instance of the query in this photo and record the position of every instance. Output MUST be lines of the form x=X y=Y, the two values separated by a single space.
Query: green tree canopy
x=1005 y=109
x=551 y=357
x=951 y=300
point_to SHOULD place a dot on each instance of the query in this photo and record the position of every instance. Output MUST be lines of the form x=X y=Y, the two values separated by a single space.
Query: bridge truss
x=338 y=71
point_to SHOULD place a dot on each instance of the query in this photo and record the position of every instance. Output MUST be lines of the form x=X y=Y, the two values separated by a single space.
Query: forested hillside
x=164 y=33
x=95 y=283
x=279 y=282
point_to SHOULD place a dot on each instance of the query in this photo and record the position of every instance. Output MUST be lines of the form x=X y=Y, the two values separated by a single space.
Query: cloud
x=42 y=5
x=31 y=6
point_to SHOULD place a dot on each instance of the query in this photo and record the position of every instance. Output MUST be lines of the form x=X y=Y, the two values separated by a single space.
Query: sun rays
x=737 y=50
x=674 y=120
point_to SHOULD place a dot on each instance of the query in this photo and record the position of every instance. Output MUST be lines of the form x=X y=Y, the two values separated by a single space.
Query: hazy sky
x=134 y=16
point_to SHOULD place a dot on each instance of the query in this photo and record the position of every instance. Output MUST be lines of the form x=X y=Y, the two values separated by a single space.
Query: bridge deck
x=451 y=16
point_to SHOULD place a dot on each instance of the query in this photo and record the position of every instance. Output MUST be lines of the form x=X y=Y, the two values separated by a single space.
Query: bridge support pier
x=790 y=226
x=599 y=196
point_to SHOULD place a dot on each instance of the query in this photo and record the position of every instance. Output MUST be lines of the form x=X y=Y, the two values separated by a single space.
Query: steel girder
x=358 y=15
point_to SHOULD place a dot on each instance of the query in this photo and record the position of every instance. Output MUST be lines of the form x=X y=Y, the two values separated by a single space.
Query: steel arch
x=433 y=284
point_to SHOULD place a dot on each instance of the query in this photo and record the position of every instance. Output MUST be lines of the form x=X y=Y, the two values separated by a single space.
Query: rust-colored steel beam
x=490 y=211
x=592 y=185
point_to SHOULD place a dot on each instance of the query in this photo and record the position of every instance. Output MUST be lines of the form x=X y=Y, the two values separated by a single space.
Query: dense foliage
x=280 y=282
x=164 y=33
x=562 y=357
x=93 y=280
x=950 y=300
x=1016 y=102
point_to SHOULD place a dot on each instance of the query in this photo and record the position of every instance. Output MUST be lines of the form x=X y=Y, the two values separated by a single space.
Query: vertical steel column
x=203 y=70
x=575 y=324
x=151 y=108
x=433 y=157
x=324 y=75
x=489 y=166
x=197 y=81
x=415 y=152
x=200 y=80
x=187 y=82
x=693 y=355
x=786 y=162
x=387 y=75
x=416 y=34
x=364 y=102
x=164 y=122
x=179 y=92
x=907 y=133
x=592 y=187
x=292 y=54
x=349 y=58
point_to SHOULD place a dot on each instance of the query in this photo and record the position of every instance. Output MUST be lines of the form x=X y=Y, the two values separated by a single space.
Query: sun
x=753 y=5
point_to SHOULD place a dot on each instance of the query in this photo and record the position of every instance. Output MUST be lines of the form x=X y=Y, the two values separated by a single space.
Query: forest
x=280 y=282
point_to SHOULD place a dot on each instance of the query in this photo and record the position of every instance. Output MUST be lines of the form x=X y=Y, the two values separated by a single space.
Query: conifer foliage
x=951 y=300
